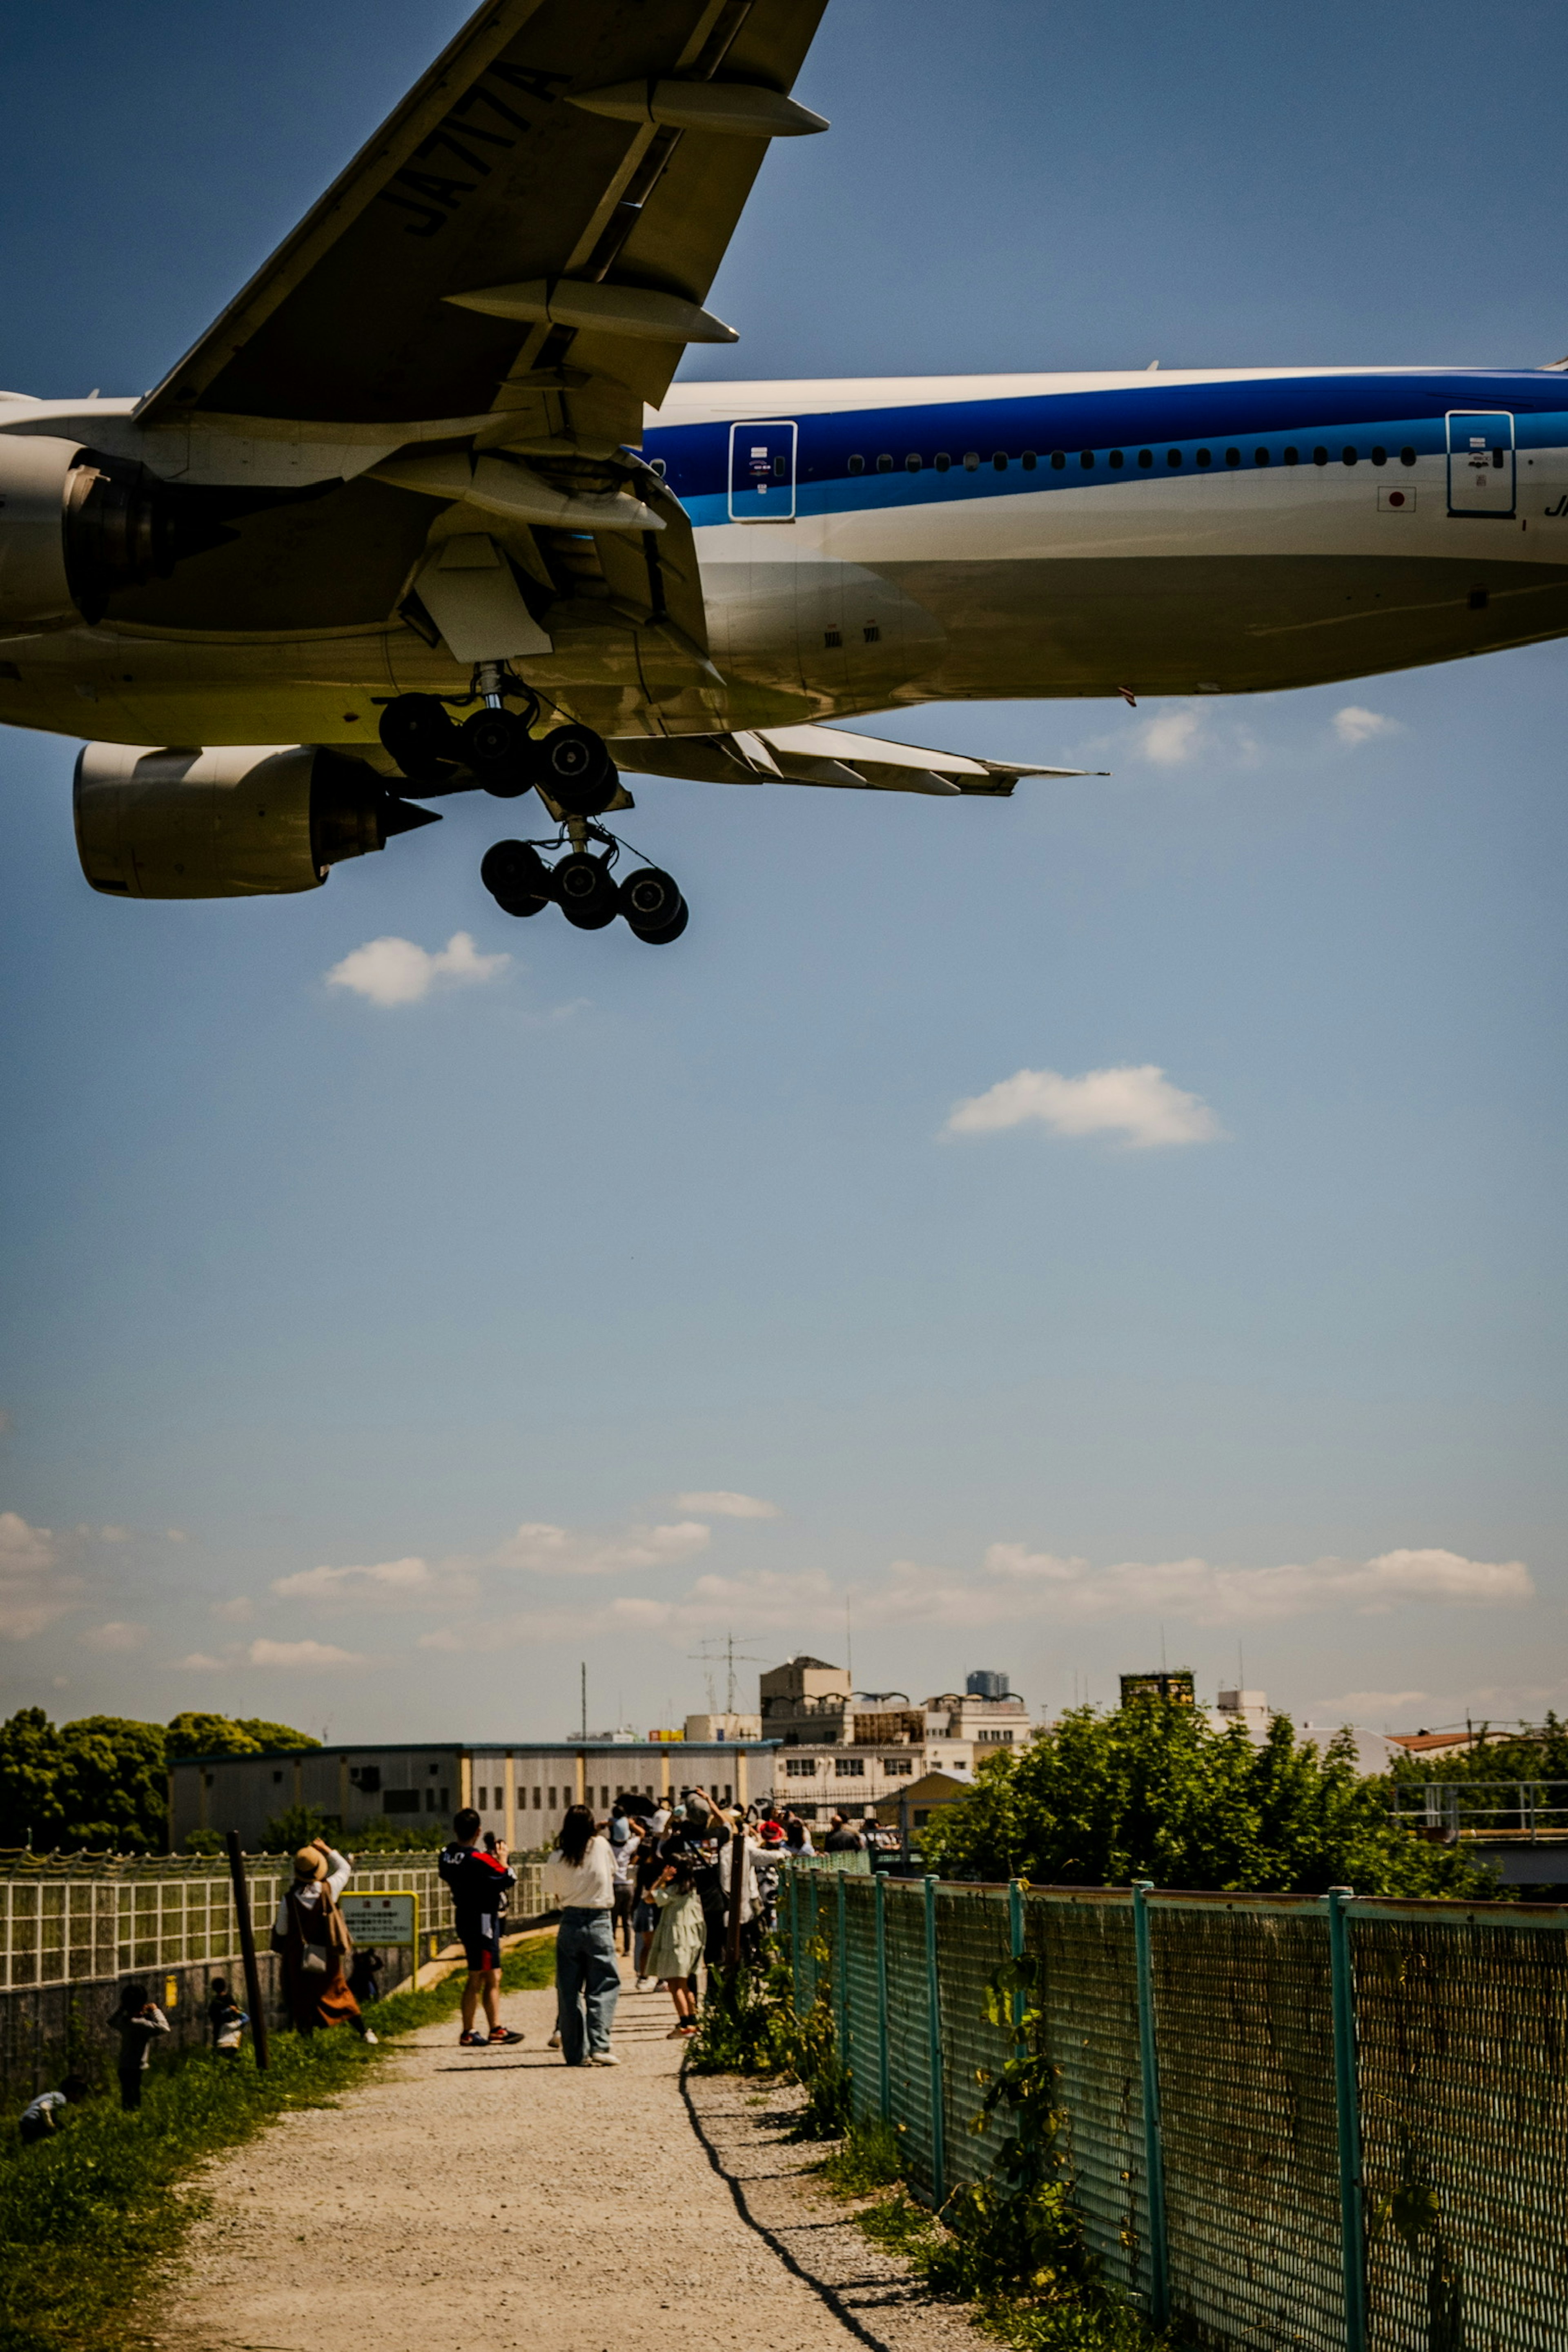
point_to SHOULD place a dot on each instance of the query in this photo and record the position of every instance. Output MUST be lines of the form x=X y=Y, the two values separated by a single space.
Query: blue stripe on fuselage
x=1271 y=413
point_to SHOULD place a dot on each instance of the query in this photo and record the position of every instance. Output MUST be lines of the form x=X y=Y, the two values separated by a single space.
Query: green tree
x=224 y=1735
x=31 y=1810
x=1152 y=1790
x=273 y=1735
x=114 y=1788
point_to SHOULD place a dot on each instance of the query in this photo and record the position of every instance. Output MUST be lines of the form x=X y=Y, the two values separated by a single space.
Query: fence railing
x=1318 y=2122
x=77 y=1922
x=1525 y=1811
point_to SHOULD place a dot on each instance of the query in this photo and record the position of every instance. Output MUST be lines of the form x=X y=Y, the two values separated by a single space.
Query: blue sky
x=486 y=1323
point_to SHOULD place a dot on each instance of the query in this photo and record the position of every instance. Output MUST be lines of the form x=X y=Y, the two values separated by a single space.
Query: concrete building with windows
x=520 y=1788
x=843 y=1750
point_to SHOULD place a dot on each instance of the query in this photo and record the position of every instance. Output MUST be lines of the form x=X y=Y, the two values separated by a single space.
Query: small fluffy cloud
x=238 y=1612
x=1171 y=738
x=721 y=1505
x=1136 y=1102
x=313 y=1657
x=556 y=1552
x=397 y=971
x=34 y=1590
x=1355 y=726
x=199 y=1662
x=390 y=1583
x=116 y=1636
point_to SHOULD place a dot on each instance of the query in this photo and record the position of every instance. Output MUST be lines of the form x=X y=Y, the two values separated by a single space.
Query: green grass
x=869 y=2156
x=84 y=2216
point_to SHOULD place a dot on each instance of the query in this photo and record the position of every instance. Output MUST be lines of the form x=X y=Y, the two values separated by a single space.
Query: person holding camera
x=477 y=1880
x=681 y=1932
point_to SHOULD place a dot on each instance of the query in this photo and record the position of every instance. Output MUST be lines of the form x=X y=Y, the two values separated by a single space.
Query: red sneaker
x=502 y=2033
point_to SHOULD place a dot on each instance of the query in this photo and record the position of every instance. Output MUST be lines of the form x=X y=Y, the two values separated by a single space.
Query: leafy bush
x=871 y=2156
x=1150 y=1790
x=101 y=1784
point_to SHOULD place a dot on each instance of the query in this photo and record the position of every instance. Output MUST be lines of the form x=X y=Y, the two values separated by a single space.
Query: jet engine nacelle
x=75 y=527
x=243 y=822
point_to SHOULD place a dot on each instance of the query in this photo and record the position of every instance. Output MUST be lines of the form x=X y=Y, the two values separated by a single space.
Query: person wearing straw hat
x=310 y=1933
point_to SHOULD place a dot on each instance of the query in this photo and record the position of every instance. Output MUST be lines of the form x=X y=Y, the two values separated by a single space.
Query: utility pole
x=582 y=1671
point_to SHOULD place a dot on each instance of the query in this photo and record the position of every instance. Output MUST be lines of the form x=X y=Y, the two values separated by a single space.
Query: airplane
x=426 y=510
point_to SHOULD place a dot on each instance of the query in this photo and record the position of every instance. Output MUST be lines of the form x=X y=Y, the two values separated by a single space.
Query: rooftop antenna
x=1161 y=1649
x=582 y=1671
x=704 y=1653
x=848 y=1645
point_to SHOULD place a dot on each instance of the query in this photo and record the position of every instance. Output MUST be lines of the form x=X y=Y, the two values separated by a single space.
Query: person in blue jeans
x=580 y=1880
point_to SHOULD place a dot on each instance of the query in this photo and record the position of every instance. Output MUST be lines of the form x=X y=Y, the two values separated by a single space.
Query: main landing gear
x=494 y=749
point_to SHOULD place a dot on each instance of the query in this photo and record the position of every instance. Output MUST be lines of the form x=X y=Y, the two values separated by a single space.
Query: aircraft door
x=762 y=472
x=1480 y=462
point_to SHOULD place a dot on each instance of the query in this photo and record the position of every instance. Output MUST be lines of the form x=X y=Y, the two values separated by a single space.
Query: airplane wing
x=531 y=233
x=826 y=755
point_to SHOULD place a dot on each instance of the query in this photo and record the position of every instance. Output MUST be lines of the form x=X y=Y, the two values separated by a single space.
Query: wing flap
x=830 y=756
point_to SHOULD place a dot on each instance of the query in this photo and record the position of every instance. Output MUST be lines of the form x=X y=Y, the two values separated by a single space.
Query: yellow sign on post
x=390 y=1919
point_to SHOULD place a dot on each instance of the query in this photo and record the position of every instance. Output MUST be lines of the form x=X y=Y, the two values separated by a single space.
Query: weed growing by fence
x=83 y=2216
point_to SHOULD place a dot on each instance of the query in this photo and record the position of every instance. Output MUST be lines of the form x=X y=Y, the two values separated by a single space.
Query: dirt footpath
x=488 y=2202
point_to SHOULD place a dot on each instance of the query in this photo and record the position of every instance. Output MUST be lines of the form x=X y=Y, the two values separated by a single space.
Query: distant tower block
x=984 y=1684
x=1176 y=1687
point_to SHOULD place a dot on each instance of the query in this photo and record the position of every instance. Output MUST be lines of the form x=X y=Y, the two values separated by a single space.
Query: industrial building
x=519 y=1789
x=841 y=1750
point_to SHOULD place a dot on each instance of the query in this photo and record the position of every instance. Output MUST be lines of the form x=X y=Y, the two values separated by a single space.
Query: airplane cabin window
x=972 y=461
x=1058 y=459
x=1260 y=457
x=999 y=460
x=856 y=464
x=1145 y=456
x=1087 y=461
x=1349 y=456
x=885 y=462
x=943 y=462
x=1029 y=461
x=1319 y=457
x=913 y=462
x=1172 y=456
x=1380 y=456
x=1118 y=459
x=1408 y=456
x=1205 y=458
x=1232 y=457
x=1292 y=456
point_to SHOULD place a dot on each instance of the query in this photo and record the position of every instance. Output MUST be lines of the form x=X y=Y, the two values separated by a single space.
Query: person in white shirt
x=42 y=2118
x=309 y=1933
x=580 y=1879
x=138 y=2021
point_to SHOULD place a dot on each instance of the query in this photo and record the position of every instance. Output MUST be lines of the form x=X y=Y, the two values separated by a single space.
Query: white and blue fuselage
x=865 y=543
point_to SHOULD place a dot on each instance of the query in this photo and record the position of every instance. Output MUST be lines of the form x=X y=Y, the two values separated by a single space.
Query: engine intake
x=244 y=821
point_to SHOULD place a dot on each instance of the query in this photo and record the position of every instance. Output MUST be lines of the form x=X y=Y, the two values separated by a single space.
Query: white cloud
x=199 y=1663
x=33 y=1590
x=1136 y=1101
x=1354 y=1703
x=312 y=1656
x=1171 y=738
x=238 y=1612
x=1355 y=726
x=556 y=1552
x=721 y=1505
x=397 y=971
x=114 y=1535
x=390 y=1583
x=115 y=1635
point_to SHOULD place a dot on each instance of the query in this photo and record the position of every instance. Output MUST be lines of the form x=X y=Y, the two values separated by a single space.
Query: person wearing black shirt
x=478 y=1883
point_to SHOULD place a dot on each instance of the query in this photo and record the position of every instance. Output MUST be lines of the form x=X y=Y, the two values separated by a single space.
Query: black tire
x=417 y=731
x=575 y=767
x=499 y=749
x=517 y=878
x=648 y=898
x=661 y=935
x=584 y=890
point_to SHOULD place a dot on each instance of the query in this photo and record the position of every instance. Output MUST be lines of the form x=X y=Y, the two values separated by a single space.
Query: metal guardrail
x=1528 y=1813
x=78 y=1921
x=1311 y=2122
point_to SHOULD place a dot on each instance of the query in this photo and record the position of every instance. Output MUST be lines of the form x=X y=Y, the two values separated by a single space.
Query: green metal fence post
x=1015 y=1946
x=840 y=1971
x=933 y=2041
x=795 y=1935
x=1153 y=2146
x=884 y=2085
x=1347 y=2108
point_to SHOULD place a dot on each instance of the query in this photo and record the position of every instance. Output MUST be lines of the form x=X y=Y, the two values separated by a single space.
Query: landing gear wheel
x=653 y=906
x=499 y=749
x=585 y=891
x=418 y=733
x=517 y=878
x=573 y=766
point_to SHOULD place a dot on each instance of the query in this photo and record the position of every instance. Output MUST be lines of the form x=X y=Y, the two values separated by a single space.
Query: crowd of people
x=676 y=1885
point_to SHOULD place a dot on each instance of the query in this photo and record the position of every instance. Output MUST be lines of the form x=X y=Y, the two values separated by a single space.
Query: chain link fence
x=1297 y=2122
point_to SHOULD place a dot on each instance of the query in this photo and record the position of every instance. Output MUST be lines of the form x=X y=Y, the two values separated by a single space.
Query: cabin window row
x=1348 y=454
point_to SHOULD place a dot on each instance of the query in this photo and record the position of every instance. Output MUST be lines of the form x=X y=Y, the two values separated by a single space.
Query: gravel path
x=484 y=2202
